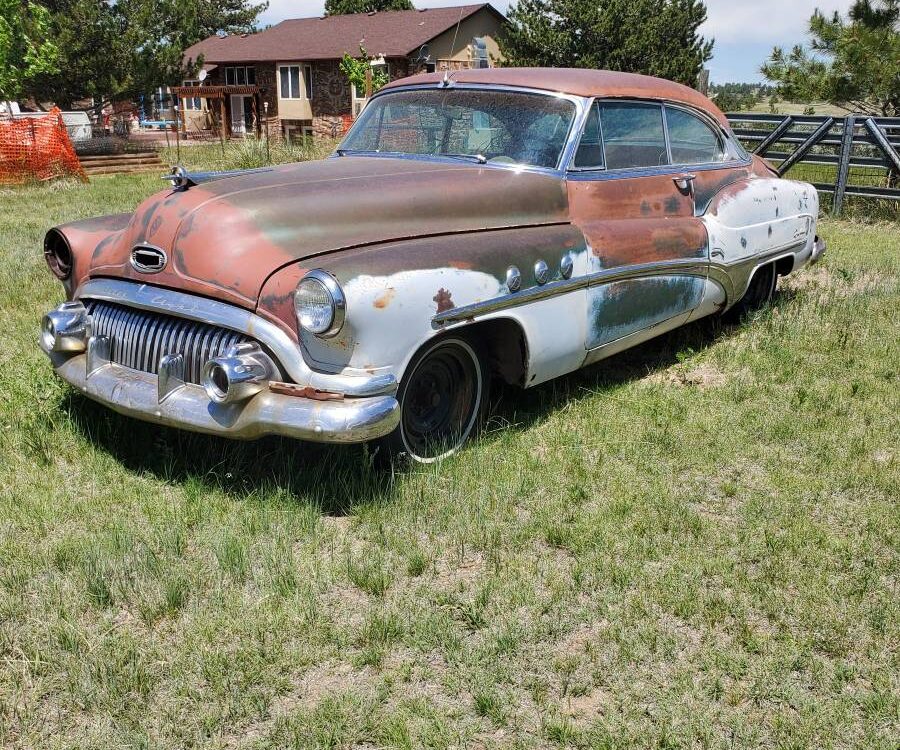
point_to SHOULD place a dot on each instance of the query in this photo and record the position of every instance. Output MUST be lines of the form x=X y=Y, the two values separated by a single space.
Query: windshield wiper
x=477 y=158
x=367 y=152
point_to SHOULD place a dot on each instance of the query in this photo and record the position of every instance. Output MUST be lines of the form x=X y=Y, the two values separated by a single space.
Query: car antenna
x=446 y=81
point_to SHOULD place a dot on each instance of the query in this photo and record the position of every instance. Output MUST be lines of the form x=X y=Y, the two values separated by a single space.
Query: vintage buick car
x=508 y=223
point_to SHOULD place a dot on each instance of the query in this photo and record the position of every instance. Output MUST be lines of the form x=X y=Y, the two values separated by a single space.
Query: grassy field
x=693 y=545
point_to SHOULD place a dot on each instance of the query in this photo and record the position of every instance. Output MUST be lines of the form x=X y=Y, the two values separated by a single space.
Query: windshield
x=500 y=127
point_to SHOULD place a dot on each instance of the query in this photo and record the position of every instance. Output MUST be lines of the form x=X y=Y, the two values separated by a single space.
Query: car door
x=636 y=209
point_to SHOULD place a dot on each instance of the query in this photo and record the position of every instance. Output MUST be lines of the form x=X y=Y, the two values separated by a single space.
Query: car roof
x=577 y=81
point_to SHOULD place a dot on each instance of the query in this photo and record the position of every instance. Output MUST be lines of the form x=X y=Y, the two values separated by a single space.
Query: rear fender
x=757 y=221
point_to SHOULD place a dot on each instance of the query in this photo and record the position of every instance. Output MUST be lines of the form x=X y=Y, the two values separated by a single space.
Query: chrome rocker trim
x=203 y=310
x=142 y=395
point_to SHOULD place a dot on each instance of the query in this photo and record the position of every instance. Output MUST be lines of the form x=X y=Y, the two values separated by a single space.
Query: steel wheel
x=442 y=398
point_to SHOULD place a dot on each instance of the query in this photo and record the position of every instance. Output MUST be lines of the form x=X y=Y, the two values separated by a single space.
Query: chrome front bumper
x=136 y=394
x=355 y=407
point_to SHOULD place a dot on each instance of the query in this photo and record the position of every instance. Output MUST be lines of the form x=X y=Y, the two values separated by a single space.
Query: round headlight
x=319 y=304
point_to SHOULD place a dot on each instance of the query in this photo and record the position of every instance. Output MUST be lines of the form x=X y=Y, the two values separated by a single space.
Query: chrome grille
x=141 y=338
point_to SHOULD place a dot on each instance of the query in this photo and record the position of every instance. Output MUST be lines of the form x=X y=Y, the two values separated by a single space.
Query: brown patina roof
x=580 y=82
x=390 y=33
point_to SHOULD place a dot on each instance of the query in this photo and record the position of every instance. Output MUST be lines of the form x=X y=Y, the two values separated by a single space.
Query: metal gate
x=850 y=156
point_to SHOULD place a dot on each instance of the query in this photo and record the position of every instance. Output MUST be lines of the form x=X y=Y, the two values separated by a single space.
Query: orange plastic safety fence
x=37 y=148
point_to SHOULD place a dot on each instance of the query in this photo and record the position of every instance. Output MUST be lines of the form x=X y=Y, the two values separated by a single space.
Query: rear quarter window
x=692 y=141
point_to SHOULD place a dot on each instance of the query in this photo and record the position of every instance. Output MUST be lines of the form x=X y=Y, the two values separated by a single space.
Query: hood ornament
x=181 y=179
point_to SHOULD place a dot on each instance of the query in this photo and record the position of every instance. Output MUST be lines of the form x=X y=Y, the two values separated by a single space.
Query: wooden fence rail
x=863 y=151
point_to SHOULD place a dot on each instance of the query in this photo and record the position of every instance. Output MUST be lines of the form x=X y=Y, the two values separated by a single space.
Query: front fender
x=83 y=237
x=394 y=290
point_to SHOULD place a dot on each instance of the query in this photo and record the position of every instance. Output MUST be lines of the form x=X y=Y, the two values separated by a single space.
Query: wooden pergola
x=219 y=93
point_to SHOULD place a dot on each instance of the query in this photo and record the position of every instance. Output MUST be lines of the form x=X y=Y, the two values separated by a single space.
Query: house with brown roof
x=286 y=78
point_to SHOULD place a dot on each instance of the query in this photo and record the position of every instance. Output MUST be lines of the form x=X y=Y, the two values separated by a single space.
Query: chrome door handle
x=685 y=182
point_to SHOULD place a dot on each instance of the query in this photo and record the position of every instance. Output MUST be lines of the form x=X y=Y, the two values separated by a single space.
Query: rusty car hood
x=224 y=238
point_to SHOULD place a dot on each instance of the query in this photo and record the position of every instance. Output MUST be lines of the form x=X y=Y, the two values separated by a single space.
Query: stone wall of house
x=330 y=90
x=332 y=101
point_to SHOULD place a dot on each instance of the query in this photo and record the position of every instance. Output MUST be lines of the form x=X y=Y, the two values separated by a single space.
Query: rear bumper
x=136 y=394
x=818 y=250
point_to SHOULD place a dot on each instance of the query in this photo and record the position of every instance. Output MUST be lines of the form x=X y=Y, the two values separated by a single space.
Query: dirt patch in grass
x=704 y=375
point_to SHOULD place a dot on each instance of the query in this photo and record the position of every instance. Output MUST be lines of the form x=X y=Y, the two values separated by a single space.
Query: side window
x=633 y=135
x=590 y=148
x=692 y=141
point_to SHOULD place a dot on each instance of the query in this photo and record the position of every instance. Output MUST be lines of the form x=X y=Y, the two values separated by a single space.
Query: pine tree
x=855 y=62
x=654 y=37
x=346 y=7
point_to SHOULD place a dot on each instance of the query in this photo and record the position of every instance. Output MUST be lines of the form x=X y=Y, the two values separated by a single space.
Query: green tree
x=346 y=7
x=853 y=63
x=655 y=37
x=355 y=69
x=118 y=49
x=25 y=49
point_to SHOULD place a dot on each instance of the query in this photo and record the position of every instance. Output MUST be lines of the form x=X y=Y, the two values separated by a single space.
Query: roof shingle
x=389 y=33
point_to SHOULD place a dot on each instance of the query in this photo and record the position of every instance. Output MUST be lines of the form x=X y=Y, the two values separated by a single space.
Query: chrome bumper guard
x=358 y=408
x=184 y=405
x=818 y=250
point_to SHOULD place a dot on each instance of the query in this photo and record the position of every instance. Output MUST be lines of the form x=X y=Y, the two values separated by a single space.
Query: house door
x=241 y=114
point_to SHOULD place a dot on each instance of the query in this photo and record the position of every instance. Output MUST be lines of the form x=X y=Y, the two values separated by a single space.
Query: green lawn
x=693 y=545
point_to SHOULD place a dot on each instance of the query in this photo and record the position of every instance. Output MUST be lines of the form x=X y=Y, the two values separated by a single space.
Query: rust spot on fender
x=385 y=298
x=443 y=300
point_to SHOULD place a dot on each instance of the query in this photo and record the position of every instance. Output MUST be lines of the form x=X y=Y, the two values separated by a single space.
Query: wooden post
x=843 y=170
x=222 y=123
x=224 y=133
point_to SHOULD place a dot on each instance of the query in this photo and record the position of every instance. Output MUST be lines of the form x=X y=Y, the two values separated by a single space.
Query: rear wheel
x=443 y=397
x=759 y=294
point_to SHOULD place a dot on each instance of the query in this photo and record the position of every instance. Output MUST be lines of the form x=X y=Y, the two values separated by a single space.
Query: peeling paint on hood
x=226 y=237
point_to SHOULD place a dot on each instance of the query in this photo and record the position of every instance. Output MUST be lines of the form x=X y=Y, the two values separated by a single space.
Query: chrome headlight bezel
x=338 y=304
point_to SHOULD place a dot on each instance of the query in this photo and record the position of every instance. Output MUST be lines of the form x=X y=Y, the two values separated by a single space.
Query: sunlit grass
x=694 y=544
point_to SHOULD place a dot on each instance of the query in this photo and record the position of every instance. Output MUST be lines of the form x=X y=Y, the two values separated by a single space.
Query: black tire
x=443 y=399
x=759 y=294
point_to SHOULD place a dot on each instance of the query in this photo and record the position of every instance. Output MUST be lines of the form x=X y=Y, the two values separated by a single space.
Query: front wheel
x=443 y=398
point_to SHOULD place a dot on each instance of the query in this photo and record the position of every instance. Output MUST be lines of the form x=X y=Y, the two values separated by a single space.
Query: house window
x=307 y=80
x=290 y=82
x=242 y=75
x=192 y=102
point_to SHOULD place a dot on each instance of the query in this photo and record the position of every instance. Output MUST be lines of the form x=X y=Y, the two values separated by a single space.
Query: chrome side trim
x=593 y=175
x=135 y=394
x=203 y=310
x=686 y=267
x=733 y=277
